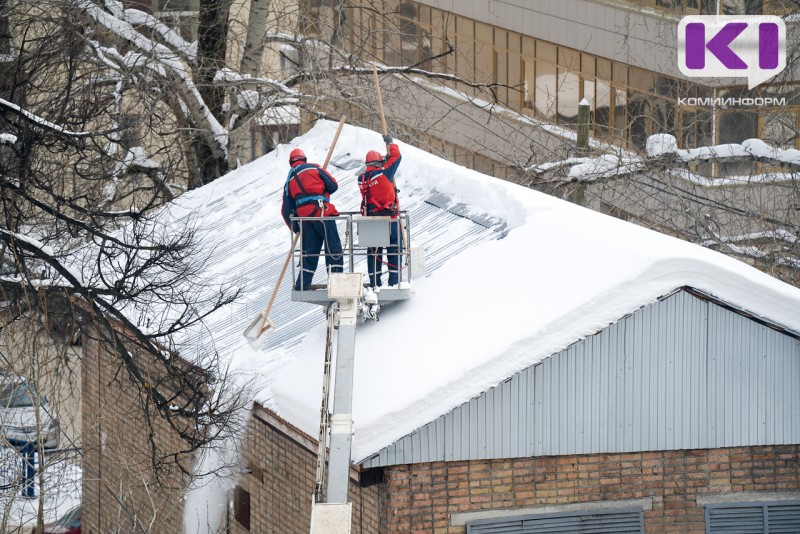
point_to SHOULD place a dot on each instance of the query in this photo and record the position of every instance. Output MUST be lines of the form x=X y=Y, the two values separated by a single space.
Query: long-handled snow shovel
x=261 y=325
x=386 y=131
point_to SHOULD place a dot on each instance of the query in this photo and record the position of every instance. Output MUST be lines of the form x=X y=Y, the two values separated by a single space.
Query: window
x=6 y=44
x=753 y=517
x=409 y=38
x=735 y=126
x=620 y=120
x=264 y=138
x=780 y=129
x=603 y=110
x=500 y=73
x=618 y=521
x=568 y=97
x=290 y=60
x=528 y=83
x=17 y=395
x=181 y=15
x=569 y=86
x=545 y=96
x=318 y=12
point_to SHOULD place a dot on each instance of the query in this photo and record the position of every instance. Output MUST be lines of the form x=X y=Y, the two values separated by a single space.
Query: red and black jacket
x=307 y=192
x=378 y=191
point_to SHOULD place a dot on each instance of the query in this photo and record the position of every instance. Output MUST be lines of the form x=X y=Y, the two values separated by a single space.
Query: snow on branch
x=135 y=159
x=779 y=234
x=232 y=77
x=190 y=96
x=39 y=121
x=754 y=252
x=44 y=252
x=761 y=178
x=170 y=36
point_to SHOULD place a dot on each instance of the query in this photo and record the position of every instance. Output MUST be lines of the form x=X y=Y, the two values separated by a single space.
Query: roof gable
x=680 y=373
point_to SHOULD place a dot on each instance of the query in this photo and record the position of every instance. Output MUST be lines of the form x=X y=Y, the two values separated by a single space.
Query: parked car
x=18 y=414
x=69 y=523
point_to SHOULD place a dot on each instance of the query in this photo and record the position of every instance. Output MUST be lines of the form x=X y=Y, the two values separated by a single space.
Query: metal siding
x=536 y=381
x=746 y=391
x=616 y=388
x=681 y=373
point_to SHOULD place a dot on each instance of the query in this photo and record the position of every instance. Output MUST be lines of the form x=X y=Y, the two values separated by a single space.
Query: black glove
x=387 y=139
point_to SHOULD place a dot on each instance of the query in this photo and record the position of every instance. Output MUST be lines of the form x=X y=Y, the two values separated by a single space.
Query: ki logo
x=743 y=46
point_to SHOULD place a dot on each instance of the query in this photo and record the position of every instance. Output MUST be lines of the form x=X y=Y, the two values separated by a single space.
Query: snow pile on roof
x=661 y=144
x=560 y=273
x=604 y=166
x=280 y=115
x=618 y=162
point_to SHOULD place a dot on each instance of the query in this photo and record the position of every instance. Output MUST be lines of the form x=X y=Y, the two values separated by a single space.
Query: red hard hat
x=373 y=158
x=297 y=155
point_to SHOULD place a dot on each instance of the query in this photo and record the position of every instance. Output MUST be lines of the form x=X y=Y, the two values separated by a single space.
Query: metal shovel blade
x=255 y=334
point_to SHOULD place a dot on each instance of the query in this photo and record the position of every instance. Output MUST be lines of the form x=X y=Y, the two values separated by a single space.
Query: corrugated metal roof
x=441 y=225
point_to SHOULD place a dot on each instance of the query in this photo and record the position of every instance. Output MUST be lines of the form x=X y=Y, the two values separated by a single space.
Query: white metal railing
x=358 y=234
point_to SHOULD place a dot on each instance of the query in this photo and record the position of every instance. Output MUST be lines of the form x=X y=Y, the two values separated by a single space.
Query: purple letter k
x=718 y=45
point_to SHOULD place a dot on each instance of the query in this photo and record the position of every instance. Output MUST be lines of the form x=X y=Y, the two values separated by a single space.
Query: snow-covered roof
x=518 y=275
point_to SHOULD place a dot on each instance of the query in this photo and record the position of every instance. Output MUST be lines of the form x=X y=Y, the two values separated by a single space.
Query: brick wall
x=121 y=492
x=422 y=497
x=282 y=463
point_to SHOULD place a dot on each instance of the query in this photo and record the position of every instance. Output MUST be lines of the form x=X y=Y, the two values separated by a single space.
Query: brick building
x=645 y=384
x=134 y=473
x=665 y=491
x=558 y=368
x=486 y=466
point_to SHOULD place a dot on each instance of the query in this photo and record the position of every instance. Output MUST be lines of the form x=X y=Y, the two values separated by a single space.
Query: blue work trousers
x=315 y=235
x=375 y=258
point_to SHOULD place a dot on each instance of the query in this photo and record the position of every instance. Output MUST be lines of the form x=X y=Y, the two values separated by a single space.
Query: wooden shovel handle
x=386 y=131
x=280 y=279
x=333 y=144
x=265 y=318
x=380 y=103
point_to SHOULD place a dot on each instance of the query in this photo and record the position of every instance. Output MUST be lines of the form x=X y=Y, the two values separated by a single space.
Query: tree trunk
x=205 y=163
x=212 y=37
x=254 y=41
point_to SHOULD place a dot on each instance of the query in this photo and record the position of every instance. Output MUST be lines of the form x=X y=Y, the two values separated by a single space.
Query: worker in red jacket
x=379 y=197
x=307 y=194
